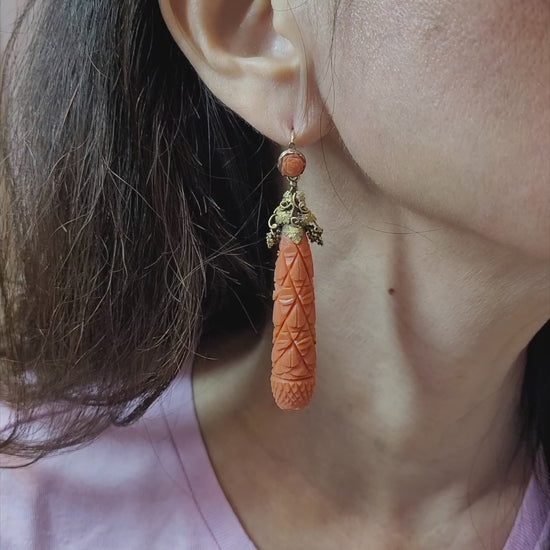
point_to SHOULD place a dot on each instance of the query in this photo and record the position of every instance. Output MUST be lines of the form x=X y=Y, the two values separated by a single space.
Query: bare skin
x=409 y=441
x=428 y=169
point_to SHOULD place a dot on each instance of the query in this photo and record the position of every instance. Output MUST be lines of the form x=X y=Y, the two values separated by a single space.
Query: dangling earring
x=292 y=225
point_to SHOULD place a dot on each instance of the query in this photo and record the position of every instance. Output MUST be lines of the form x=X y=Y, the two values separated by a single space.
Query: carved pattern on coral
x=294 y=359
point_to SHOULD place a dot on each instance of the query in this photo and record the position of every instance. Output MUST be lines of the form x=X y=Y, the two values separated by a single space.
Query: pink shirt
x=151 y=486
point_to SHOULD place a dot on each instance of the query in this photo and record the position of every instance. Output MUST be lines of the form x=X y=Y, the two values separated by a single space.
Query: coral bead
x=292 y=164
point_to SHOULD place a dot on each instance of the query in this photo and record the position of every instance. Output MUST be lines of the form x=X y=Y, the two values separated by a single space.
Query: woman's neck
x=421 y=333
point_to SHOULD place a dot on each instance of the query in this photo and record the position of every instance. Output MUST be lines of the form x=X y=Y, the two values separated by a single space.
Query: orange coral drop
x=294 y=358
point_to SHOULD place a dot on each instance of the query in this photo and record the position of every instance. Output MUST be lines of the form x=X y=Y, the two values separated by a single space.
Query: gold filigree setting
x=292 y=217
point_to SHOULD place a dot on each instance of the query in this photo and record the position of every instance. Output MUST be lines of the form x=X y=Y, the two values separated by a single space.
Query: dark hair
x=136 y=207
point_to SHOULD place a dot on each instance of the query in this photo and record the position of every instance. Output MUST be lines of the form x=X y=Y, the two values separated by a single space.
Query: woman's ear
x=250 y=55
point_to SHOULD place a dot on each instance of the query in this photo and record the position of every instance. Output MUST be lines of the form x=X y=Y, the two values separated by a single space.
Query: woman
x=140 y=147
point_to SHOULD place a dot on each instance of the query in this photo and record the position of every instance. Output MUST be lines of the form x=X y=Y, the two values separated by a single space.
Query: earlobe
x=251 y=62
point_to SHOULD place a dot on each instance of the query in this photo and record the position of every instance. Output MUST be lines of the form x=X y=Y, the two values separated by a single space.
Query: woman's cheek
x=446 y=106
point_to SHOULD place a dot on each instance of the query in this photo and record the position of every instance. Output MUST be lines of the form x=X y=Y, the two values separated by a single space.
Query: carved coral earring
x=292 y=226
